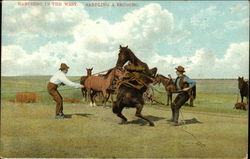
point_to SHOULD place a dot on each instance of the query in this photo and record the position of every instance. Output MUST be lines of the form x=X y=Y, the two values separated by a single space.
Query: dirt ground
x=30 y=130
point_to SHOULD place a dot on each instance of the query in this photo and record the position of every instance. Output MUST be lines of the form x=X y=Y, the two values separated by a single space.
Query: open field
x=212 y=128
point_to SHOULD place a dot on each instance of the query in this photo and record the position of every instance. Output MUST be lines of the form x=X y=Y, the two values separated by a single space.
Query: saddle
x=133 y=68
x=136 y=80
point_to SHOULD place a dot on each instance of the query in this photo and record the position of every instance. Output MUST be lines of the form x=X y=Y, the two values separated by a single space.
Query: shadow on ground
x=190 y=121
x=144 y=122
x=78 y=114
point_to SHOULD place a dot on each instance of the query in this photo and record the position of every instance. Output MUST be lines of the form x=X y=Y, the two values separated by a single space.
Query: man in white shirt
x=57 y=80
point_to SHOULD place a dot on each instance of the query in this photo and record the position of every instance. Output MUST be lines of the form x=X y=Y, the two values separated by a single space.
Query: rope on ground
x=158 y=102
x=198 y=142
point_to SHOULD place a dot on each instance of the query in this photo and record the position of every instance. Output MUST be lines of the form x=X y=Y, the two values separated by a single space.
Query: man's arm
x=191 y=82
x=66 y=81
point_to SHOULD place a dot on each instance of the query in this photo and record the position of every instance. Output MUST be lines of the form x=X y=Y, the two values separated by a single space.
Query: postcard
x=124 y=79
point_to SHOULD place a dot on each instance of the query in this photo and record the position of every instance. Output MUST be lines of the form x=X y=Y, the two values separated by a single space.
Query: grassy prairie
x=29 y=130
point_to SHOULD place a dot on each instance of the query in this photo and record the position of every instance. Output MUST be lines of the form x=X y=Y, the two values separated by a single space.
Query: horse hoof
x=151 y=124
x=123 y=122
x=94 y=104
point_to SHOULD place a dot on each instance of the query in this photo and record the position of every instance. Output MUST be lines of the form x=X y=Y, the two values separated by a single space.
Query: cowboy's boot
x=173 y=113
x=176 y=117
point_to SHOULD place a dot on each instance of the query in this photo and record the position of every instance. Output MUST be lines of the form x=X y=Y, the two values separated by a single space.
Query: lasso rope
x=198 y=142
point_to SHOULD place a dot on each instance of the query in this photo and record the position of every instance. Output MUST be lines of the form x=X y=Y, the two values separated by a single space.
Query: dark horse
x=244 y=88
x=129 y=96
x=126 y=54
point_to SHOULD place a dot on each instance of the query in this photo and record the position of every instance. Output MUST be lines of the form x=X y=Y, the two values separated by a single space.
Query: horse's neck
x=244 y=86
x=109 y=78
x=165 y=81
x=135 y=60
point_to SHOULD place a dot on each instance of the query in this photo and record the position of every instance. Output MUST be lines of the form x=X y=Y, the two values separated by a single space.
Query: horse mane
x=132 y=54
x=107 y=74
x=163 y=76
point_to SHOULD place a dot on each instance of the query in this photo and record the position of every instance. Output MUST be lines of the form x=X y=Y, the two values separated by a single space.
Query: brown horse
x=170 y=88
x=82 y=80
x=128 y=95
x=125 y=54
x=244 y=89
x=101 y=83
x=168 y=84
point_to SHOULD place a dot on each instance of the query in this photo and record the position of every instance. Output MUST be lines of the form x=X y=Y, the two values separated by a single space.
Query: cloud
x=236 y=24
x=238 y=8
x=204 y=18
x=204 y=64
x=96 y=43
x=235 y=61
x=52 y=21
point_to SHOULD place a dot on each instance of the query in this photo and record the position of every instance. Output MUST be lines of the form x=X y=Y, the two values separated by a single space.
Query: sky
x=209 y=39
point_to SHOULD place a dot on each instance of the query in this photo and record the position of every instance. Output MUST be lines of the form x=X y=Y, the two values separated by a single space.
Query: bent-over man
x=57 y=80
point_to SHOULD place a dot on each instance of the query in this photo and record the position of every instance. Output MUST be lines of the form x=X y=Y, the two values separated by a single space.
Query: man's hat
x=180 y=69
x=63 y=66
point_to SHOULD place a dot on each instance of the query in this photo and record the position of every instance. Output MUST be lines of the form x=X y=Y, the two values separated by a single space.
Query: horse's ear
x=91 y=69
x=120 y=46
x=126 y=47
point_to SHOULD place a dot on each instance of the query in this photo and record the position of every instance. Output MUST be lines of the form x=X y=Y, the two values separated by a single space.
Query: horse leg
x=191 y=101
x=124 y=119
x=111 y=97
x=100 y=96
x=92 y=97
x=108 y=97
x=242 y=97
x=118 y=111
x=89 y=96
x=168 y=97
x=104 y=96
x=83 y=94
x=138 y=114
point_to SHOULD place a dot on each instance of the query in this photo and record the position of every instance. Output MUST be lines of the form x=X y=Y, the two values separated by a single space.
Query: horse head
x=240 y=82
x=89 y=71
x=157 y=80
x=123 y=56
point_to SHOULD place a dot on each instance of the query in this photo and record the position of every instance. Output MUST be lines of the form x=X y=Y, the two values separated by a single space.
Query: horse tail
x=194 y=92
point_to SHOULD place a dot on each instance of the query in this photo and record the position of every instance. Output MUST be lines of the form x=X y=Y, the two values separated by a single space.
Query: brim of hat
x=64 y=68
x=179 y=70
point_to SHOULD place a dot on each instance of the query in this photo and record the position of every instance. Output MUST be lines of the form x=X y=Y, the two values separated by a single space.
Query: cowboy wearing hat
x=57 y=80
x=183 y=85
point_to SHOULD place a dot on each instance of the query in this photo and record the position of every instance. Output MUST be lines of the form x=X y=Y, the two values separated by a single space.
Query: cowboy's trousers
x=52 y=89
